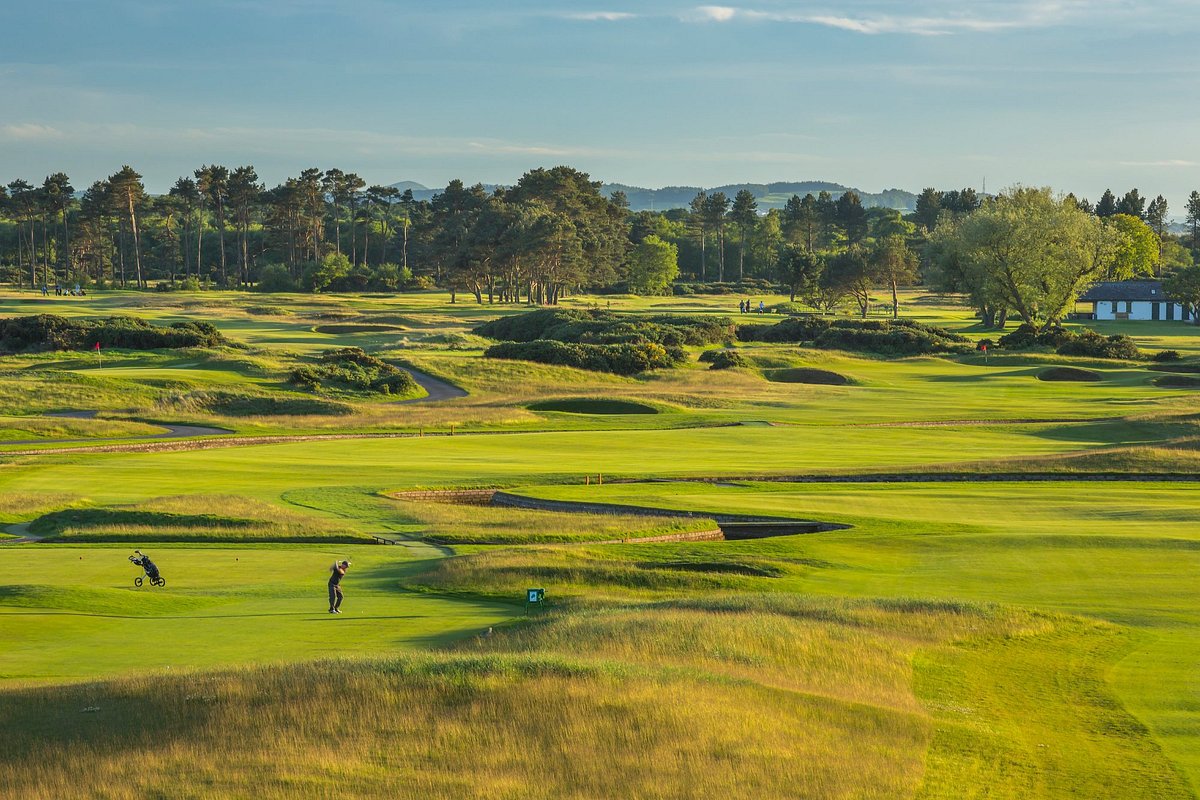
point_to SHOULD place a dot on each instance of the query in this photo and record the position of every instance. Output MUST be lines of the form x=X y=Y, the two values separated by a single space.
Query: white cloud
x=714 y=13
x=1177 y=162
x=929 y=19
x=601 y=16
x=29 y=131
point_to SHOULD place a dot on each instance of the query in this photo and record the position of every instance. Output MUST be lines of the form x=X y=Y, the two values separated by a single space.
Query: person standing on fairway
x=337 y=572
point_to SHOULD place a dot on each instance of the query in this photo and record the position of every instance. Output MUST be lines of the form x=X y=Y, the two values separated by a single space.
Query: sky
x=1080 y=95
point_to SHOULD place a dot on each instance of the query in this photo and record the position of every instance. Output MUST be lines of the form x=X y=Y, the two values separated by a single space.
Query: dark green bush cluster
x=1093 y=345
x=792 y=329
x=898 y=337
x=52 y=332
x=1026 y=336
x=1088 y=343
x=1166 y=355
x=594 y=326
x=727 y=359
x=629 y=358
x=748 y=286
x=352 y=369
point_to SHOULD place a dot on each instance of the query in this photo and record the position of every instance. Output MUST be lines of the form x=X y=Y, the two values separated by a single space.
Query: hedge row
x=628 y=358
x=52 y=332
x=1087 y=343
x=899 y=337
x=593 y=326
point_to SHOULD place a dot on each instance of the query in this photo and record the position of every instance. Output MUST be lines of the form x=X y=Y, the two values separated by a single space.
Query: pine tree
x=745 y=214
x=1107 y=205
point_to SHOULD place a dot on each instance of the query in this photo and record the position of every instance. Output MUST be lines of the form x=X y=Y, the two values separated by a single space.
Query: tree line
x=555 y=231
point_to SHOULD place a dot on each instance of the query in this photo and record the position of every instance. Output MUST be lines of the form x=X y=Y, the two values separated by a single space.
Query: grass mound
x=590 y=405
x=1178 y=381
x=1069 y=374
x=719 y=567
x=356 y=328
x=451 y=524
x=240 y=405
x=189 y=519
x=821 y=377
x=352 y=369
x=1188 y=368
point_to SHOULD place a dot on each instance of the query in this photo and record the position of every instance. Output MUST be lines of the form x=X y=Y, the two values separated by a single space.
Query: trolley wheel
x=137 y=581
x=161 y=582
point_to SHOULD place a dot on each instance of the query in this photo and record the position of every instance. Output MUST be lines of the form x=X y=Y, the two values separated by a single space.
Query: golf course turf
x=1010 y=607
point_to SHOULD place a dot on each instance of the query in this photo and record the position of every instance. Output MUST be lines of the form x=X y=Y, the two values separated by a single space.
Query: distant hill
x=768 y=195
x=424 y=193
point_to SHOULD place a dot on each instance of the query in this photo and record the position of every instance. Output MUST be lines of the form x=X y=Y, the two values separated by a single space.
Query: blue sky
x=873 y=93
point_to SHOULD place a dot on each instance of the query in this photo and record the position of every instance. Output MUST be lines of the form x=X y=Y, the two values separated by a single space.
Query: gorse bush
x=1088 y=343
x=1094 y=345
x=1166 y=355
x=584 y=326
x=901 y=337
x=628 y=358
x=352 y=369
x=52 y=332
x=1026 y=336
x=727 y=359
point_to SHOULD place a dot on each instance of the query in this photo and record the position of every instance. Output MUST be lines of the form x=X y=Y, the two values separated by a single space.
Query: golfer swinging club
x=337 y=572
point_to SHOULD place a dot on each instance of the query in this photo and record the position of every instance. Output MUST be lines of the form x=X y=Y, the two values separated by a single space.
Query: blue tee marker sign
x=534 y=596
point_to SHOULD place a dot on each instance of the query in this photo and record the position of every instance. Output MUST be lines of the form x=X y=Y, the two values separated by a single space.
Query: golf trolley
x=148 y=567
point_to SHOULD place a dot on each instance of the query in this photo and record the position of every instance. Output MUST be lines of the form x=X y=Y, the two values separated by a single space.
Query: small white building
x=1131 y=300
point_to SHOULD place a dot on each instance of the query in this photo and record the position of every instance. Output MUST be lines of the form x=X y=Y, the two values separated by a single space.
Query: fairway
x=74 y=612
x=1010 y=609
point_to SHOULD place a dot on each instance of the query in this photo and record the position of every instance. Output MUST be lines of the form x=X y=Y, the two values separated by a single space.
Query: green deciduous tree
x=893 y=264
x=653 y=265
x=1137 y=250
x=1032 y=252
x=1184 y=286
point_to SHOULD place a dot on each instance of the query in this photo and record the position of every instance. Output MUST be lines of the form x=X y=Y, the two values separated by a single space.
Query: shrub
x=1026 y=336
x=727 y=359
x=594 y=326
x=792 y=329
x=351 y=368
x=886 y=337
x=621 y=359
x=276 y=278
x=1094 y=345
x=1166 y=355
x=51 y=332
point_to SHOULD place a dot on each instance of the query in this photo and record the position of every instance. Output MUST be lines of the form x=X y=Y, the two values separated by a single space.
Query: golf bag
x=148 y=568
